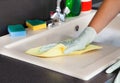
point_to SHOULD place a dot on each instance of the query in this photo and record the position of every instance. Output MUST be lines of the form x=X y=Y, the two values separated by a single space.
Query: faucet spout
x=58 y=9
x=58 y=15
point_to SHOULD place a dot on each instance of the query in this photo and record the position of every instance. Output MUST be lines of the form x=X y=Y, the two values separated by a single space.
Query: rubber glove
x=113 y=68
x=85 y=38
x=49 y=46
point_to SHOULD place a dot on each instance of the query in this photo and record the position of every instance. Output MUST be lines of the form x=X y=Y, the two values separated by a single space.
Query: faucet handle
x=54 y=16
x=66 y=10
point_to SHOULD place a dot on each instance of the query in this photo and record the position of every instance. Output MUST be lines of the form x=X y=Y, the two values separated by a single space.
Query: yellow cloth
x=58 y=50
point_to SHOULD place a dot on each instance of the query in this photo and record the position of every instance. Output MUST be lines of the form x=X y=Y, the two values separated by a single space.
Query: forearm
x=108 y=10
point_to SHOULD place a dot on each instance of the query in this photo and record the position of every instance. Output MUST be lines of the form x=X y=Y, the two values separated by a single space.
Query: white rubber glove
x=85 y=38
x=49 y=46
x=113 y=68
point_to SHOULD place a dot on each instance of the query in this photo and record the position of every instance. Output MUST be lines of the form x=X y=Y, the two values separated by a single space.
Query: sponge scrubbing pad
x=16 y=30
x=36 y=24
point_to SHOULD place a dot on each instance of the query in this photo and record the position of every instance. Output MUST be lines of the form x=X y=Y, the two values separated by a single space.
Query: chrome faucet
x=58 y=15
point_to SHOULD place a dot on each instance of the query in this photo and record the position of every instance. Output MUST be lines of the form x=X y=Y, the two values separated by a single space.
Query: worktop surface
x=15 y=71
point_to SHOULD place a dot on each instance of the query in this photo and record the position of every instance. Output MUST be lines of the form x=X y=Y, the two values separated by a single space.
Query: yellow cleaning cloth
x=58 y=50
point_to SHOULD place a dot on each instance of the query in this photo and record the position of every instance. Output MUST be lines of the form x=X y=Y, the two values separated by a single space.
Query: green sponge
x=16 y=30
x=36 y=24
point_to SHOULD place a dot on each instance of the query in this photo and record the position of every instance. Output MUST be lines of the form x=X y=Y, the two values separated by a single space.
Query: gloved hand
x=49 y=46
x=113 y=68
x=85 y=38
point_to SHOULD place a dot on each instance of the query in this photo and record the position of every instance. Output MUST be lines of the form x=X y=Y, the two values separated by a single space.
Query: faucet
x=58 y=15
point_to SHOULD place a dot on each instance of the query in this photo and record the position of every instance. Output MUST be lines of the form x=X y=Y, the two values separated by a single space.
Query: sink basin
x=83 y=66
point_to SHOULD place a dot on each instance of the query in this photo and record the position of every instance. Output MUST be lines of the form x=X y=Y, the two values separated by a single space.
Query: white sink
x=83 y=66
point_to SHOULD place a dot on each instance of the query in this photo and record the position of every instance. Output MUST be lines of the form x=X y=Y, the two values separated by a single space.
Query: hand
x=113 y=68
x=86 y=37
x=49 y=46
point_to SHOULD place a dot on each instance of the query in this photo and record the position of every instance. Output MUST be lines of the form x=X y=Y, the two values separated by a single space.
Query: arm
x=108 y=10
